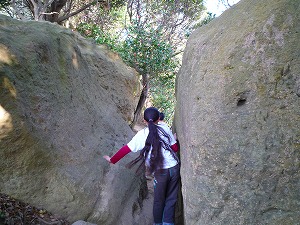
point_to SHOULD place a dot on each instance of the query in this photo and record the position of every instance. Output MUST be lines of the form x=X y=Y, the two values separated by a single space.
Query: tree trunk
x=55 y=10
x=142 y=100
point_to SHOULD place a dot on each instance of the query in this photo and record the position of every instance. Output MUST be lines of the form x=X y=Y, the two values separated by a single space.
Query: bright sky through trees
x=216 y=7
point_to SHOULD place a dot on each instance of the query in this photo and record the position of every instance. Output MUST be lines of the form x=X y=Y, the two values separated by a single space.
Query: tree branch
x=47 y=4
x=62 y=18
x=13 y=3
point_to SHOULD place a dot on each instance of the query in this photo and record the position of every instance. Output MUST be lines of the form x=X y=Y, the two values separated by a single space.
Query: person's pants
x=166 y=184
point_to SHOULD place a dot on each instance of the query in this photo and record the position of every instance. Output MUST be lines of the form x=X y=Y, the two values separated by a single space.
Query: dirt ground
x=15 y=212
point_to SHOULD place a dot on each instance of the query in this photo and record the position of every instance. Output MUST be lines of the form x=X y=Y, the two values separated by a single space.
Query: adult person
x=162 y=122
x=158 y=148
x=161 y=117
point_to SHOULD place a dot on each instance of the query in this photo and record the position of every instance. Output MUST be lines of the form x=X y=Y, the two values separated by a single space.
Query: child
x=158 y=148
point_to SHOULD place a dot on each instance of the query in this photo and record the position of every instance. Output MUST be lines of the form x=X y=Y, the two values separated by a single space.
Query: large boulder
x=64 y=103
x=238 y=116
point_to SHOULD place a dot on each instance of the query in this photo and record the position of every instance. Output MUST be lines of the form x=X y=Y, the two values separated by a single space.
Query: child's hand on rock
x=107 y=158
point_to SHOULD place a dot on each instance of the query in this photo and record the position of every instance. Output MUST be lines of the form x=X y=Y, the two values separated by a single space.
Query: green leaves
x=4 y=3
x=145 y=50
x=101 y=37
x=163 y=94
